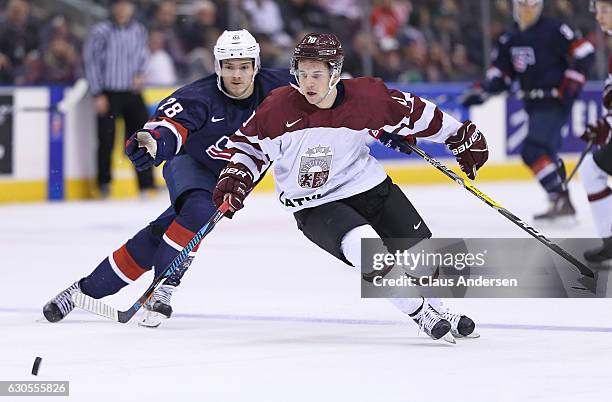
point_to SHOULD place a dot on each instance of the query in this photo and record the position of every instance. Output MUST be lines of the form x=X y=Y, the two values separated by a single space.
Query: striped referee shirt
x=114 y=54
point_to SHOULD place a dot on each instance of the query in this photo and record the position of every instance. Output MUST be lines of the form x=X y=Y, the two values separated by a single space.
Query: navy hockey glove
x=571 y=85
x=474 y=95
x=147 y=148
x=469 y=147
x=237 y=181
x=394 y=141
x=600 y=132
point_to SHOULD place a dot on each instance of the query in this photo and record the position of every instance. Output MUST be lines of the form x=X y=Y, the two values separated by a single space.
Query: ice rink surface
x=264 y=315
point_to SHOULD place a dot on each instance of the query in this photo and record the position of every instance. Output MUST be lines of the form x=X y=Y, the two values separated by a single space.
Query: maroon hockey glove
x=237 y=181
x=599 y=133
x=607 y=96
x=469 y=147
x=571 y=85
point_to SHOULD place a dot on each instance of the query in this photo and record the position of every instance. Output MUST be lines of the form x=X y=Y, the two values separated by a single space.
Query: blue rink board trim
x=347 y=321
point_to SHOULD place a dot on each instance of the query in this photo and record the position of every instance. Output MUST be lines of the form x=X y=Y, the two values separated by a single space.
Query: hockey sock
x=595 y=183
x=351 y=243
x=548 y=174
x=122 y=267
x=195 y=211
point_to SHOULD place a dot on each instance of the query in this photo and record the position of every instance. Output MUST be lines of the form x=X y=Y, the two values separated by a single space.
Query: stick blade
x=95 y=306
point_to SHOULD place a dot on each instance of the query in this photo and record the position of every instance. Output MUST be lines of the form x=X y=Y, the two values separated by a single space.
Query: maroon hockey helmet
x=319 y=46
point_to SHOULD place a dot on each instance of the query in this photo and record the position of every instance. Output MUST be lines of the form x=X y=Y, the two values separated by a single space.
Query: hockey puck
x=36 y=365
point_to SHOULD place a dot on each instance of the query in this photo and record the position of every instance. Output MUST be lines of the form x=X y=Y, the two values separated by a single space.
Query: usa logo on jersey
x=522 y=57
x=219 y=149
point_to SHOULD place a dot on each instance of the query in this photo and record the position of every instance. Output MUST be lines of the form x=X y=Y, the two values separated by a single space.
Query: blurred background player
x=550 y=65
x=115 y=56
x=324 y=174
x=188 y=131
x=597 y=166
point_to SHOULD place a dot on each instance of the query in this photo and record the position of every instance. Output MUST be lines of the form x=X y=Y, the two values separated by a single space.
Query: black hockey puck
x=36 y=365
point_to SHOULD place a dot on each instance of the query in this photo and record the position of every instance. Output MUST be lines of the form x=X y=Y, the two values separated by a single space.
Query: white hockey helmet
x=235 y=45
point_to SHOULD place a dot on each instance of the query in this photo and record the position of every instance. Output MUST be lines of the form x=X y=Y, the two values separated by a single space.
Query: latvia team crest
x=315 y=166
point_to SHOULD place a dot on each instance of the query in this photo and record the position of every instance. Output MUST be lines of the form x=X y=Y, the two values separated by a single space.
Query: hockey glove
x=598 y=133
x=469 y=147
x=394 y=141
x=571 y=85
x=237 y=181
x=607 y=96
x=147 y=148
x=474 y=95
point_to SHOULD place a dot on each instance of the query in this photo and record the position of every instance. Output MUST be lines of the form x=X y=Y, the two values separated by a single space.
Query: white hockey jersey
x=321 y=155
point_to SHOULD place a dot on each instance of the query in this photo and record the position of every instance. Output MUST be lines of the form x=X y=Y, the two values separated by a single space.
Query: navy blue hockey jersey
x=203 y=118
x=539 y=57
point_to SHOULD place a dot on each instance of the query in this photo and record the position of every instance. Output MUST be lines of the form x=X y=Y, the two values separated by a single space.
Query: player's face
x=237 y=75
x=527 y=13
x=604 y=15
x=314 y=81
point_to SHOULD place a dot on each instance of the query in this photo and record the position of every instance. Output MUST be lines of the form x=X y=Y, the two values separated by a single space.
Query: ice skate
x=428 y=319
x=462 y=326
x=560 y=209
x=600 y=254
x=57 y=308
x=158 y=307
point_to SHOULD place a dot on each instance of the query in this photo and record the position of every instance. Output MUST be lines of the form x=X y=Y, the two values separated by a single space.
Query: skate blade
x=151 y=319
x=449 y=338
x=473 y=335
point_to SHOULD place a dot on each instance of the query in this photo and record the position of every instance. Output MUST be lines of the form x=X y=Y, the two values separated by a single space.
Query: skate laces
x=452 y=318
x=163 y=294
x=428 y=318
x=64 y=299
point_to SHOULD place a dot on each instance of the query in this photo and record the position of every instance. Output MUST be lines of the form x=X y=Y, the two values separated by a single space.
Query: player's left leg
x=396 y=220
x=338 y=228
x=540 y=153
x=189 y=184
x=594 y=171
x=120 y=268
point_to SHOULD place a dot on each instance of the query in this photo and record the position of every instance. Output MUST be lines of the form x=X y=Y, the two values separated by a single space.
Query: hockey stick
x=587 y=149
x=97 y=307
x=584 y=270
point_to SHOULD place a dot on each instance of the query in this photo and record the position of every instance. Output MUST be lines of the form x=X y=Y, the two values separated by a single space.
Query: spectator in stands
x=18 y=40
x=303 y=16
x=462 y=69
x=115 y=56
x=414 y=54
x=264 y=17
x=160 y=69
x=201 y=26
x=58 y=64
x=165 y=19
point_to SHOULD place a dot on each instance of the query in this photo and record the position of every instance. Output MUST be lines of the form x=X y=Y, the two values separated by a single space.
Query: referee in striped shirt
x=115 y=56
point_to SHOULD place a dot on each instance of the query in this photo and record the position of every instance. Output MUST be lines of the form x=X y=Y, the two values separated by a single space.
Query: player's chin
x=312 y=97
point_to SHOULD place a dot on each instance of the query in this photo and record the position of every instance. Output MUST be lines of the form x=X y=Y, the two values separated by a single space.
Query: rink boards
x=46 y=154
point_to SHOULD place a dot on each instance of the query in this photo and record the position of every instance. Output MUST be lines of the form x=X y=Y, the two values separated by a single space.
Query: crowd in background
x=409 y=40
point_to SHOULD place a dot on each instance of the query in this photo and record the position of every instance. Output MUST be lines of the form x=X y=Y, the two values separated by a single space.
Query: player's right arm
x=163 y=136
x=252 y=154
